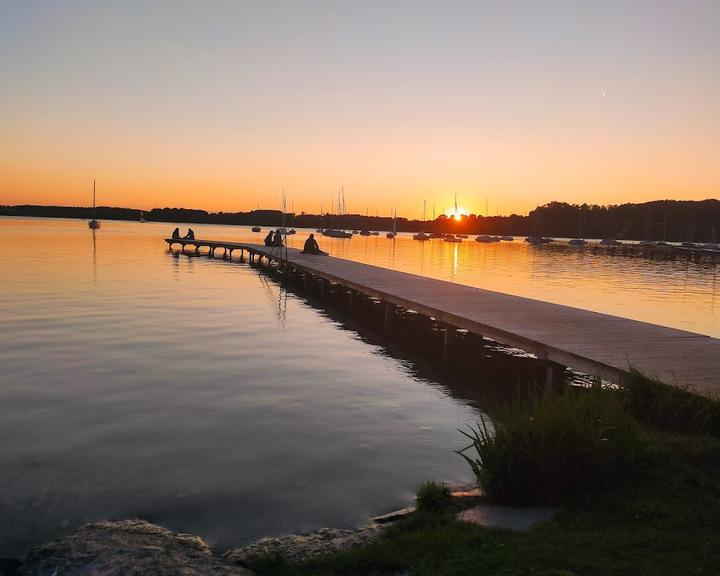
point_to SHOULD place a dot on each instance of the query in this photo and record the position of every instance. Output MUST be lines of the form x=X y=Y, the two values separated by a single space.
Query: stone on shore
x=127 y=548
x=303 y=547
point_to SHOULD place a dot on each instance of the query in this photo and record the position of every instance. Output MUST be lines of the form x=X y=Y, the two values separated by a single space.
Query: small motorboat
x=421 y=236
x=579 y=242
x=507 y=238
x=610 y=242
x=451 y=238
x=484 y=238
x=334 y=233
x=537 y=240
x=256 y=229
x=364 y=232
x=437 y=235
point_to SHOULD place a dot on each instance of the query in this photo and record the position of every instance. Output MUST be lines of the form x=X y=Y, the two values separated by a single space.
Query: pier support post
x=197 y=249
x=387 y=319
x=447 y=340
x=322 y=287
x=350 y=302
x=553 y=373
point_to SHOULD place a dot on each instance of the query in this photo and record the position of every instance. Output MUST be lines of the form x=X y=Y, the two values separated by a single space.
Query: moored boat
x=94 y=224
x=334 y=233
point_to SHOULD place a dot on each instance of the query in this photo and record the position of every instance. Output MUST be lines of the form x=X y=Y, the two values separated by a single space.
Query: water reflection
x=190 y=395
x=187 y=394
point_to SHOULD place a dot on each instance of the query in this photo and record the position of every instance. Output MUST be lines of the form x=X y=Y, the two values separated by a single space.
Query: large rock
x=303 y=547
x=127 y=548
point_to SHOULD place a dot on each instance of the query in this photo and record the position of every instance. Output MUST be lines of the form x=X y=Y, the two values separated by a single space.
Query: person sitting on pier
x=269 y=238
x=176 y=233
x=278 y=240
x=190 y=234
x=311 y=246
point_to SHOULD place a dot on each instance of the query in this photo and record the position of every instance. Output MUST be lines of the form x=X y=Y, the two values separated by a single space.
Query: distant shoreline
x=664 y=220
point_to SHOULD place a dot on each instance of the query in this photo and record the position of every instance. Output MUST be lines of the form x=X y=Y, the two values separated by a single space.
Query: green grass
x=660 y=516
x=670 y=408
x=432 y=497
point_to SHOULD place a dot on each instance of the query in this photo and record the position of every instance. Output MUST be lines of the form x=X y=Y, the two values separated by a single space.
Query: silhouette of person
x=176 y=233
x=311 y=246
x=269 y=238
x=190 y=234
x=278 y=241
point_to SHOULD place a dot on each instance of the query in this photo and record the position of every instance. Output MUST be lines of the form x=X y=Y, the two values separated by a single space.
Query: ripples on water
x=197 y=394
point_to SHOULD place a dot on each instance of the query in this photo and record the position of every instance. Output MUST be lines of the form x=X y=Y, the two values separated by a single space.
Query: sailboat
x=421 y=235
x=579 y=241
x=142 y=217
x=93 y=223
x=334 y=232
x=393 y=233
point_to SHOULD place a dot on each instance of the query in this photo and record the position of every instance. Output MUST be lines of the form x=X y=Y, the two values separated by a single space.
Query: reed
x=552 y=445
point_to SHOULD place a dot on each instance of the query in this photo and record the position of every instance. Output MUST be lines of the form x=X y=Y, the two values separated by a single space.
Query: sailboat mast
x=283 y=208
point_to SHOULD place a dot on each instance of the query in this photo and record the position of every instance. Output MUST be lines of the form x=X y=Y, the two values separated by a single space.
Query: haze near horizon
x=222 y=105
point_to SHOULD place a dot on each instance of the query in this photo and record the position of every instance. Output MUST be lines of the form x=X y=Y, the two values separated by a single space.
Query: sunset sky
x=222 y=104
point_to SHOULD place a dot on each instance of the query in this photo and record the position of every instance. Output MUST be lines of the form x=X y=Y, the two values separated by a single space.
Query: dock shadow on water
x=465 y=365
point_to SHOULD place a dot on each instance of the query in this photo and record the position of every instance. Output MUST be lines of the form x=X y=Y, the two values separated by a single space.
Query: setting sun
x=457 y=213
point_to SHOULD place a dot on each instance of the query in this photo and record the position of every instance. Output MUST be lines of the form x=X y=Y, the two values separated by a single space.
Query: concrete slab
x=393 y=516
x=505 y=517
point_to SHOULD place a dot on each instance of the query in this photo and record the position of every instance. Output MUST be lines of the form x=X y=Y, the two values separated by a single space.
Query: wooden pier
x=596 y=344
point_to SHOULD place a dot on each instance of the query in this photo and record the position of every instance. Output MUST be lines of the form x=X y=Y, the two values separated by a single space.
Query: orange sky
x=222 y=108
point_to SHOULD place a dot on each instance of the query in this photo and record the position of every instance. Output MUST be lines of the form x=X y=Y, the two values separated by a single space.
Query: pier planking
x=597 y=344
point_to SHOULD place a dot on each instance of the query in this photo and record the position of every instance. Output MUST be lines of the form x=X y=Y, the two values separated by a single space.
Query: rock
x=303 y=547
x=126 y=548
x=471 y=493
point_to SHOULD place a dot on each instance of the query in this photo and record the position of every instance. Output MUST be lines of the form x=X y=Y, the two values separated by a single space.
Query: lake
x=199 y=394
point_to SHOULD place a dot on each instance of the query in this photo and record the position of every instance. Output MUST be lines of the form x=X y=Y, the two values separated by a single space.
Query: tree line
x=671 y=220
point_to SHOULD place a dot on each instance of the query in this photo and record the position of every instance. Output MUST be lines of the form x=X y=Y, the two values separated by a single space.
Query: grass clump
x=553 y=445
x=432 y=497
x=669 y=408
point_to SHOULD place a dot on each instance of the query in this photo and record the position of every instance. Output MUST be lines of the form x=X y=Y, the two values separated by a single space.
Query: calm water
x=197 y=394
